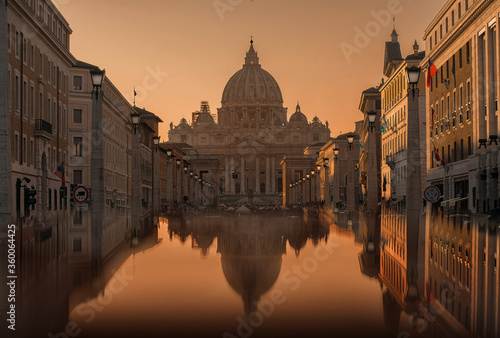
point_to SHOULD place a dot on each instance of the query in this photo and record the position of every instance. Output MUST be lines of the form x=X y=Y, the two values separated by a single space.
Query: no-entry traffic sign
x=80 y=194
x=432 y=194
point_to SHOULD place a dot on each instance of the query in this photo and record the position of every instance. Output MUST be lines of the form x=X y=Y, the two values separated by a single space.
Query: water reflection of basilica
x=251 y=248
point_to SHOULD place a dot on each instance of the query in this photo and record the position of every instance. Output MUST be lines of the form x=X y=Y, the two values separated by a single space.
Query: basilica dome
x=252 y=84
x=298 y=116
x=205 y=118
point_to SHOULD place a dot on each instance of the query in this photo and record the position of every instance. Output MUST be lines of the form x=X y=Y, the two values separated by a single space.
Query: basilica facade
x=252 y=134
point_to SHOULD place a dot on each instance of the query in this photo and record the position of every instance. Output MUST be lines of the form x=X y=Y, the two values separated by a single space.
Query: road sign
x=432 y=194
x=80 y=194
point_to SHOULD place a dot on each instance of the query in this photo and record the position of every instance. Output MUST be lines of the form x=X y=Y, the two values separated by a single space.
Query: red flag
x=430 y=72
x=438 y=159
x=433 y=118
x=60 y=173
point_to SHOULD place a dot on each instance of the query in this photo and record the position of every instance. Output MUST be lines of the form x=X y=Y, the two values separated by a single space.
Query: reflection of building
x=449 y=268
x=462 y=104
x=251 y=252
x=252 y=134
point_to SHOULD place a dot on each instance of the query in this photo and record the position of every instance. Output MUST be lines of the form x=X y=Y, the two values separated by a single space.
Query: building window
x=17 y=96
x=78 y=116
x=469 y=146
x=32 y=102
x=25 y=99
x=40 y=105
x=25 y=150
x=48 y=71
x=452 y=17
x=77 y=82
x=77 y=146
x=41 y=64
x=77 y=177
x=32 y=153
x=459 y=10
x=77 y=245
x=8 y=37
x=25 y=51
x=17 y=45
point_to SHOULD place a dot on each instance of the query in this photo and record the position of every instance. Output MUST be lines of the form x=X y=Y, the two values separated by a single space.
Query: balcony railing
x=44 y=126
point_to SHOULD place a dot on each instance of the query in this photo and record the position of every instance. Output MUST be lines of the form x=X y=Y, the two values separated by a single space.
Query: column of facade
x=243 y=176
x=257 y=174
x=480 y=85
x=227 y=177
x=232 y=184
x=273 y=175
x=491 y=66
x=268 y=175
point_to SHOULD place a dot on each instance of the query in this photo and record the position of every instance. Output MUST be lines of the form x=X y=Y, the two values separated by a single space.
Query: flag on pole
x=384 y=185
x=386 y=124
x=135 y=94
x=446 y=83
x=438 y=159
x=433 y=118
x=382 y=129
x=431 y=71
x=362 y=144
x=60 y=173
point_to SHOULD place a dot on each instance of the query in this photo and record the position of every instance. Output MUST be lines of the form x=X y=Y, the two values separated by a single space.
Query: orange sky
x=192 y=48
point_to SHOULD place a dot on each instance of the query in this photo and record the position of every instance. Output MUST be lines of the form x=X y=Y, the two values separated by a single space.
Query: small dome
x=298 y=116
x=205 y=118
x=316 y=119
x=184 y=121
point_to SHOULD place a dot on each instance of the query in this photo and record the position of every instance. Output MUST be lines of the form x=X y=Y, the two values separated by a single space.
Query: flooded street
x=265 y=275
x=238 y=276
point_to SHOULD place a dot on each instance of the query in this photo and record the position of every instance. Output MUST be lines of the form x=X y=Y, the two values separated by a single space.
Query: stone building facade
x=252 y=135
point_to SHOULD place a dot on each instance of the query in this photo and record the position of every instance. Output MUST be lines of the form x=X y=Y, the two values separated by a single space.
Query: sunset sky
x=178 y=53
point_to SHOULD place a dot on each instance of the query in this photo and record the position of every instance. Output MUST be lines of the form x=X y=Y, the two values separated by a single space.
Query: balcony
x=43 y=129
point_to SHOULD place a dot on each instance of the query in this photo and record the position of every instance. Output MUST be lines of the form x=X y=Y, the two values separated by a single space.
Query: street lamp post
x=313 y=182
x=136 y=176
x=156 y=179
x=350 y=195
x=97 y=204
x=413 y=187
x=336 y=177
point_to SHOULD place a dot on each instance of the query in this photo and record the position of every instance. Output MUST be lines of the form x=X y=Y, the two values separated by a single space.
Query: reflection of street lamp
x=178 y=162
x=372 y=116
